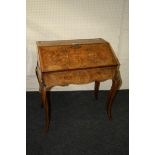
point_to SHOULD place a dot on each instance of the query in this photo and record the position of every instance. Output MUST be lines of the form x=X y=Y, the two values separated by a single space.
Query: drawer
x=78 y=76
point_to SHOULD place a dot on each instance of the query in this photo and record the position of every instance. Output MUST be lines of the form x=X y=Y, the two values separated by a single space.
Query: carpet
x=79 y=124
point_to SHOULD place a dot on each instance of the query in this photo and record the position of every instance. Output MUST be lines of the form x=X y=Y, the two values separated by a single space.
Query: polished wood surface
x=79 y=61
x=75 y=55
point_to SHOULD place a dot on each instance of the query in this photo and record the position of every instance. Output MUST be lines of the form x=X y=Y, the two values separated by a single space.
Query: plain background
x=13 y=77
x=77 y=19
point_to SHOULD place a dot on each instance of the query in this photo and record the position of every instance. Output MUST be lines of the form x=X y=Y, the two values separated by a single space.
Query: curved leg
x=39 y=86
x=97 y=85
x=46 y=107
x=116 y=82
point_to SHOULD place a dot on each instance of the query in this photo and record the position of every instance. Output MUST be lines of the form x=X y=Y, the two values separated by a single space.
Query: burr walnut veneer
x=76 y=62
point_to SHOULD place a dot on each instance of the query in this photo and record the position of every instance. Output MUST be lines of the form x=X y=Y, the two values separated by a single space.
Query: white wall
x=77 y=19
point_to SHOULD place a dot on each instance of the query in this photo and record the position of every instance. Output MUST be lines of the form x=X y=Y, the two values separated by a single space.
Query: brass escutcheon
x=76 y=45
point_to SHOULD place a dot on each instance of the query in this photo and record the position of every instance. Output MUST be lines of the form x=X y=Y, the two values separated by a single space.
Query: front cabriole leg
x=40 y=84
x=116 y=83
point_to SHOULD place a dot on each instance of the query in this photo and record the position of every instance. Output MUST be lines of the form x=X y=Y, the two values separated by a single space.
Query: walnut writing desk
x=76 y=62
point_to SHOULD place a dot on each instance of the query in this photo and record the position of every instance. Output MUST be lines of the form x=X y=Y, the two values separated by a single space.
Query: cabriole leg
x=40 y=86
x=116 y=83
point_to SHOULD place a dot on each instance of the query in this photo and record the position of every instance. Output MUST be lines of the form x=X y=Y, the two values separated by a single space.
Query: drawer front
x=78 y=76
x=75 y=56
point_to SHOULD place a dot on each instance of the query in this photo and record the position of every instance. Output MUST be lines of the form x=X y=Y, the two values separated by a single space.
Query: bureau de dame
x=80 y=61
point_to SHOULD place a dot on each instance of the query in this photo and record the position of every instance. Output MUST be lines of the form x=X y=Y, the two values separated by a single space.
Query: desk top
x=75 y=54
x=70 y=42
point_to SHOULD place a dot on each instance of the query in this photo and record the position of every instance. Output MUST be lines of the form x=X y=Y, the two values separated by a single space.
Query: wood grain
x=78 y=76
x=63 y=57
